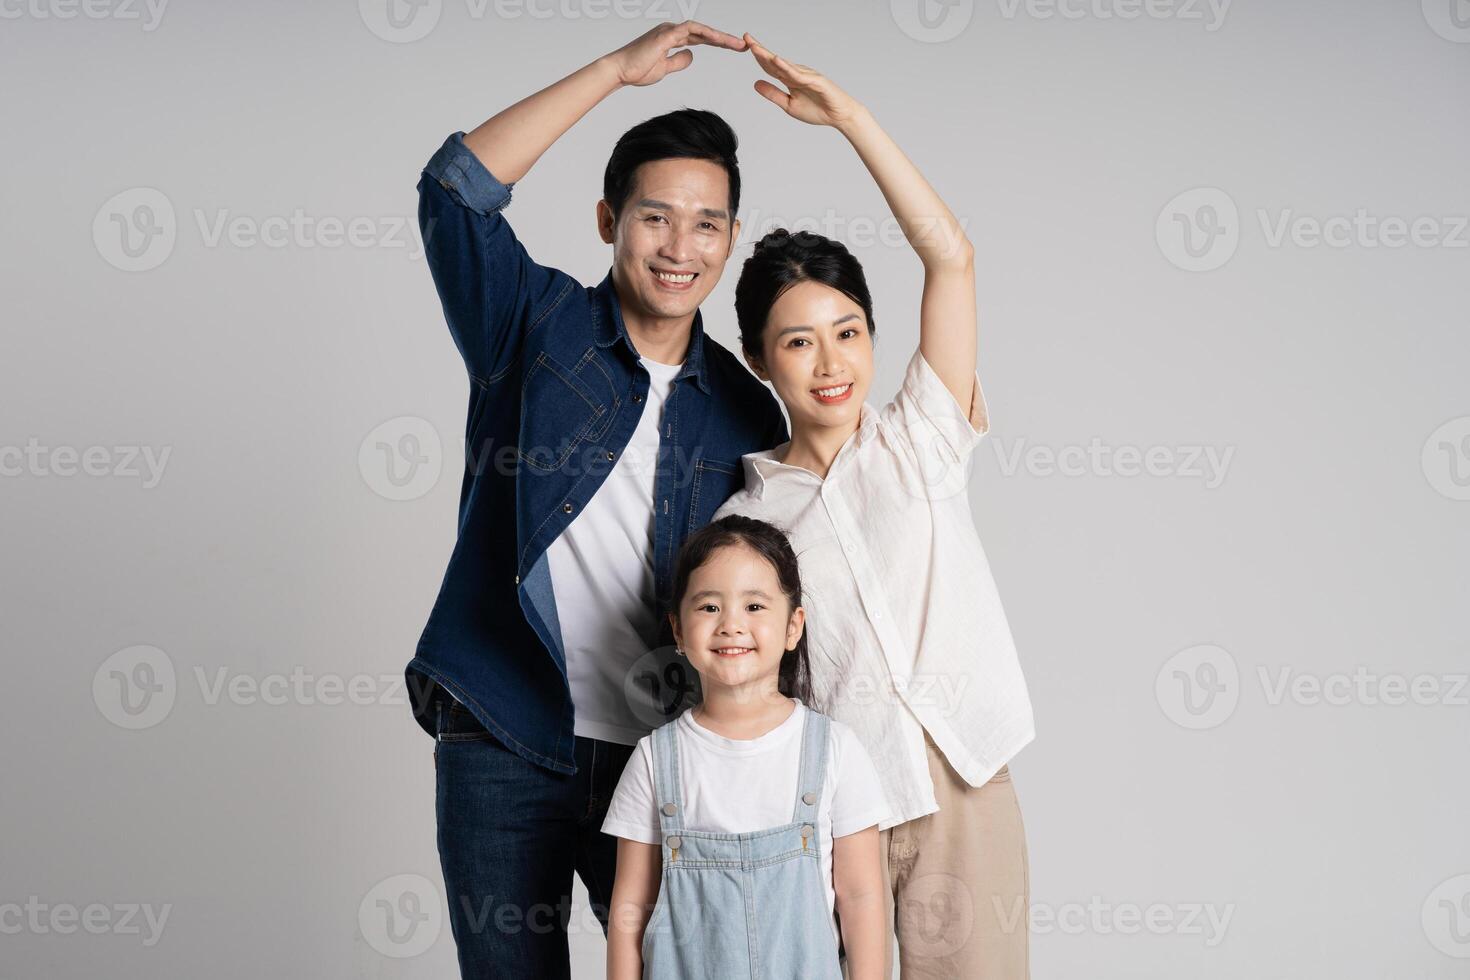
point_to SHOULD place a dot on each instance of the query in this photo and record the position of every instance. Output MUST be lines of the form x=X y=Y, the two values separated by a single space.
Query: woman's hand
x=812 y=97
x=646 y=59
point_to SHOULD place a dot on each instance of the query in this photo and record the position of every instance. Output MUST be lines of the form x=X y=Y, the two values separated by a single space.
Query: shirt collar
x=763 y=465
x=608 y=329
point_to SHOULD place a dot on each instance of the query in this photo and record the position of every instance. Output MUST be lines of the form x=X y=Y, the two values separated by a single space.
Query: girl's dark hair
x=781 y=260
x=693 y=134
x=768 y=541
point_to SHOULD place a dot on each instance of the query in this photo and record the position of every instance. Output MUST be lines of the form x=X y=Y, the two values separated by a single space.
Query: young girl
x=910 y=645
x=751 y=819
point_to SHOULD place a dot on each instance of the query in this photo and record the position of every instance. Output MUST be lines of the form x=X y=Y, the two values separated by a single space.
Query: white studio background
x=1224 y=282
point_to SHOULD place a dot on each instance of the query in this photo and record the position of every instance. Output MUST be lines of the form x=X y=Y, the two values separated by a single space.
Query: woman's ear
x=757 y=365
x=795 y=627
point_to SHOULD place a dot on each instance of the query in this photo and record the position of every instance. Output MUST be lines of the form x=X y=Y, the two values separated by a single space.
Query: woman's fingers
x=773 y=94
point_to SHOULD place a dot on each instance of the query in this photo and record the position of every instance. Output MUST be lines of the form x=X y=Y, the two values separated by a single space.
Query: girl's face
x=734 y=622
x=818 y=355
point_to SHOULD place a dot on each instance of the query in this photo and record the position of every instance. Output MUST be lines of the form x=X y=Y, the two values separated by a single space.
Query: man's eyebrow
x=802 y=326
x=649 y=202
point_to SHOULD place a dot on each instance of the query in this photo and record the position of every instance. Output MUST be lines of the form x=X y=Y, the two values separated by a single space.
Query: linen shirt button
x=809 y=798
x=675 y=842
x=669 y=809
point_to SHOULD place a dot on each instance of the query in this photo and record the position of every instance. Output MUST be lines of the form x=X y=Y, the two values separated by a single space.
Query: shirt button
x=518 y=580
x=567 y=508
x=669 y=809
x=808 y=798
x=675 y=842
x=637 y=397
x=609 y=455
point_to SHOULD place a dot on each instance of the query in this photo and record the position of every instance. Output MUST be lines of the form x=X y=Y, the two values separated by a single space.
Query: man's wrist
x=607 y=69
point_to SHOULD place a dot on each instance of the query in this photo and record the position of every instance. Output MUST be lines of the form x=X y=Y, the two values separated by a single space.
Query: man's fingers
x=679 y=61
x=693 y=32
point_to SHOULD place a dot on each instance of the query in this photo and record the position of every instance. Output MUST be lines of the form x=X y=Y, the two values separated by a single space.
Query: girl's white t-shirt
x=734 y=786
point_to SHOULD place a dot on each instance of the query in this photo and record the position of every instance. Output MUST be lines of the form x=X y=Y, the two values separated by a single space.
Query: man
x=603 y=427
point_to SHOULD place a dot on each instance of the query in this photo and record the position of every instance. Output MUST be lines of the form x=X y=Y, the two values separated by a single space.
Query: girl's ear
x=795 y=626
x=674 y=623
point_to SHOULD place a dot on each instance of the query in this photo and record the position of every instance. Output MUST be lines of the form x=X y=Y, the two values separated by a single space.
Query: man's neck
x=662 y=339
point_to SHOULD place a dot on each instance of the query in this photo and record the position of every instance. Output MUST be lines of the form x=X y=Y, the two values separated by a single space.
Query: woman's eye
x=798 y=340
x=849 y=330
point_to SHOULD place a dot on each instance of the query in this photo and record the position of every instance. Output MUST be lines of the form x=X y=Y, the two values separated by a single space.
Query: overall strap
x=668 y=794
x=813 y=767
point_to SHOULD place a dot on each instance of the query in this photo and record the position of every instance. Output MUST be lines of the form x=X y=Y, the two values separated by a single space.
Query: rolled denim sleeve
x=491 y=290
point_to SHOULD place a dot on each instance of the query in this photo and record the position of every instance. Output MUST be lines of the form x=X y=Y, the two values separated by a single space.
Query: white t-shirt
x=602 y=575
x=734 y=786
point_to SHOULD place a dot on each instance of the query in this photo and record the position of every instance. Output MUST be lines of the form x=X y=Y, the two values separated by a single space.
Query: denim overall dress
x=737 y=906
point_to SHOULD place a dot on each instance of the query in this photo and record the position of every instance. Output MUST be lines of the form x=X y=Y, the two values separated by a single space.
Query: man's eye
x=711 y=226
x=656 y=217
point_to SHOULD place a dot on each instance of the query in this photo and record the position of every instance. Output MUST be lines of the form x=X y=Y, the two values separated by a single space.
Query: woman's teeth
x=834 y=392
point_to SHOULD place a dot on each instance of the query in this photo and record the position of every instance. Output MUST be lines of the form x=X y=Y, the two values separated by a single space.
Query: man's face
x=672 y=238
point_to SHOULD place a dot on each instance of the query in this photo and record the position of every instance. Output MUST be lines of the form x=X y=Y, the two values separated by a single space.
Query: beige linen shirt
x=905 y=629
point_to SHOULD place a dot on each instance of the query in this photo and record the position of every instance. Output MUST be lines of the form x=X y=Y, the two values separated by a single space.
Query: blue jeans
x=511 y=834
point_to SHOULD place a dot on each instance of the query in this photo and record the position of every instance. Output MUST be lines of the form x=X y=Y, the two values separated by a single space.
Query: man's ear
x=605 y=222
x=757 y=366
x=734 y=235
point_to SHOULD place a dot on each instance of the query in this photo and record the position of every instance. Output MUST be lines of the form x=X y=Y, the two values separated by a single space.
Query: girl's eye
x=709 y=607
x=755 y=606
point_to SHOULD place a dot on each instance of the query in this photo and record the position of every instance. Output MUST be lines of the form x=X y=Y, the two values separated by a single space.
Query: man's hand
x=646 y=59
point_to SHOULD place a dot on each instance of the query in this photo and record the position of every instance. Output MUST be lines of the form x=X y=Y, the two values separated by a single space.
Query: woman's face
x=818 y=355
x=734 y=622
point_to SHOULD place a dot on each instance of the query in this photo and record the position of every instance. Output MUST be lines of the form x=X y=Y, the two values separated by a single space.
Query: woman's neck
x=815 y=447
x=741 y=714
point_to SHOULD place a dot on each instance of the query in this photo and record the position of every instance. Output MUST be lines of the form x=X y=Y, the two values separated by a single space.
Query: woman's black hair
x=768 y=541
x=781 y=260
x=693 y=134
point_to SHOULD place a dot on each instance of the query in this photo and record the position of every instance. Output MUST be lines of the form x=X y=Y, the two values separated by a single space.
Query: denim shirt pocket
x=715 y=481
x=559 y=410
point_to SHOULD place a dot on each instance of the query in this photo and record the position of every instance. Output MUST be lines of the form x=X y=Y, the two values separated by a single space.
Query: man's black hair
x=694 y=134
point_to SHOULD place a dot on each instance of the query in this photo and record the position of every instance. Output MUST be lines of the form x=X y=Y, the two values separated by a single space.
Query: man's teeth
x=682 y=277
x=834 y=392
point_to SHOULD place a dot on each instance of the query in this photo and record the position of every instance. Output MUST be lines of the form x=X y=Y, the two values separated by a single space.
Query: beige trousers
x=959 y=883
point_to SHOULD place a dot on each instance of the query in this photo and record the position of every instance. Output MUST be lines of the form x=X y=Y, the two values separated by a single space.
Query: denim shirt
x=556 y=391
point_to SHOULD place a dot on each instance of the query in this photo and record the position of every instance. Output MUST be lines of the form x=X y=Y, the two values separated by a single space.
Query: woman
x=909 y=643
